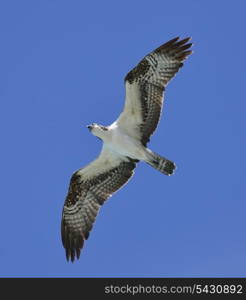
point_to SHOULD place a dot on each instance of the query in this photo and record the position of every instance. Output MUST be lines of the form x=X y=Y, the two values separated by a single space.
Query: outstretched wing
x=145 y=85
x=89 y=188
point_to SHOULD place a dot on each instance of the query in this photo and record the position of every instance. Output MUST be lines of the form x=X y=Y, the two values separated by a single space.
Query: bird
x=124 y=143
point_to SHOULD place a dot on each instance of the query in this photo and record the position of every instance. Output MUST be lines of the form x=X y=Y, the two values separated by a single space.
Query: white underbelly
x=127 y=146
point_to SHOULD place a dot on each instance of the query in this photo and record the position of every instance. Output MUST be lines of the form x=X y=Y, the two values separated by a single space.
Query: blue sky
x=62 y=67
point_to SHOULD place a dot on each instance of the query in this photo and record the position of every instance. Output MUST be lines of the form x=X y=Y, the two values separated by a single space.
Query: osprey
x=124 y=143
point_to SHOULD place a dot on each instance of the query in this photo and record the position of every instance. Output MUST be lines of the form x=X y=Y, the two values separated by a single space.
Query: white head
x=97 y=130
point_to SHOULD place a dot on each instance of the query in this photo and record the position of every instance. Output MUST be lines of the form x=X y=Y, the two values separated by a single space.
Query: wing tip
x=72 y=244
x=72 y=252
x=177 y=47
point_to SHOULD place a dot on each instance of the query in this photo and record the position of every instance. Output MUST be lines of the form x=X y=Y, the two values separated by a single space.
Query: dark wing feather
x=145 y=85
x=87 y=192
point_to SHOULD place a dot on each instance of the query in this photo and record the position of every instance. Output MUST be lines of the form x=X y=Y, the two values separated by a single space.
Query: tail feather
x=161 y=164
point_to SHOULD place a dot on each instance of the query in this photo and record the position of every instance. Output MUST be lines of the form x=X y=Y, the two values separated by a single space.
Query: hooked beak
x=89 y=127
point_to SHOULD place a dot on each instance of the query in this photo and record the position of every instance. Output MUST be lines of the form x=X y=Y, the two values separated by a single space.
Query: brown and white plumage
x=145 y=85
x=124 y=144
x=89 y=188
